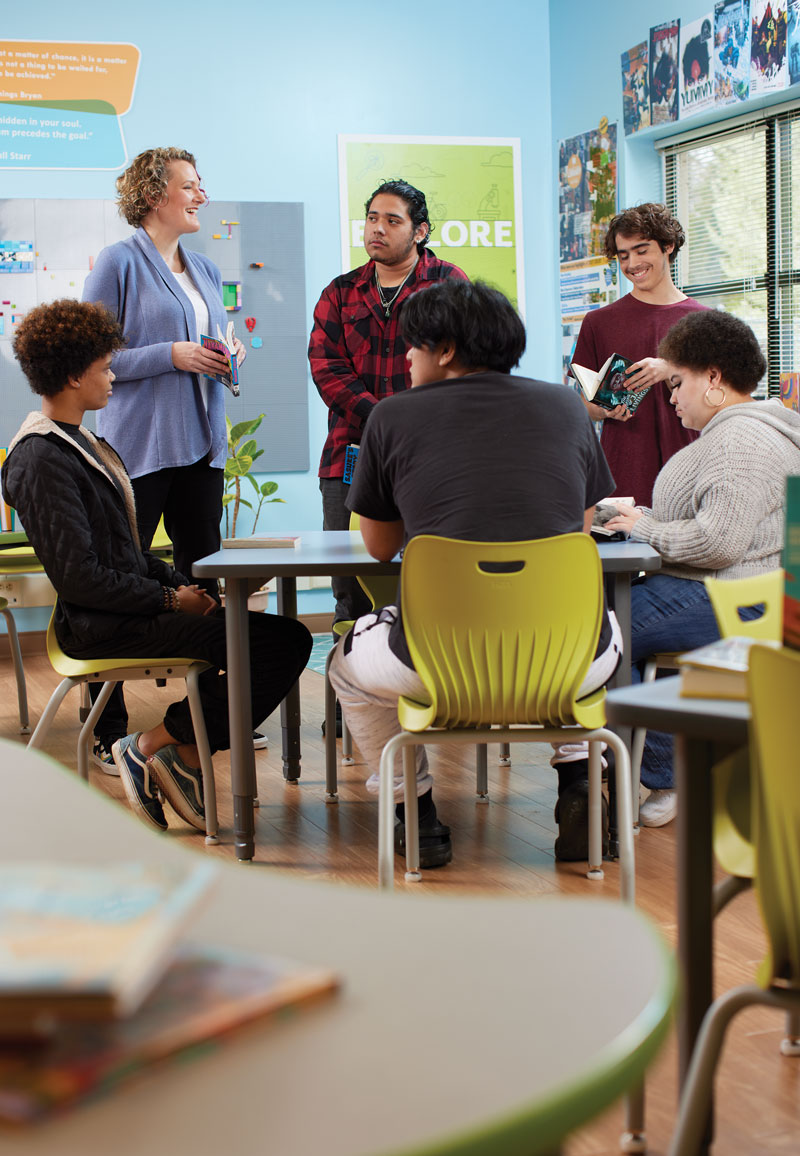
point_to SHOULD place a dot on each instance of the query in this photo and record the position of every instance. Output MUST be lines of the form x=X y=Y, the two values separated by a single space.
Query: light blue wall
x=259 y=92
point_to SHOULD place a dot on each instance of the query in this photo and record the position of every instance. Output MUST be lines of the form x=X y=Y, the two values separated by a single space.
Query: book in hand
x=204 y=995
x=88 y=943
x=606 y=386
x=719 y=669
x=254 y=542
x=225 y=346
x=604 y=511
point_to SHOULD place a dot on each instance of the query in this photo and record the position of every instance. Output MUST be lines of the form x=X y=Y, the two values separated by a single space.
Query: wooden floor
x=505 y=847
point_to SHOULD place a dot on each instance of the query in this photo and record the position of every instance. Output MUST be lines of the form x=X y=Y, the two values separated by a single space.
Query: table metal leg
x=243 y=763
x=618 y=593
x=290 y=707
x=693 y=761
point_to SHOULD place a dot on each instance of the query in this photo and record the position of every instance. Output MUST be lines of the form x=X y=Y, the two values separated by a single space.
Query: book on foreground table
x=205 y=994
x=254 y=542
x=88 y=943
x=719 y=669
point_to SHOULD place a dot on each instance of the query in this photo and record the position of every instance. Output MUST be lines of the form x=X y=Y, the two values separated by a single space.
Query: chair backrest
x=381 y=589
x=728 y=596
x=17 y=555
x=774 y=681
x=502 y=632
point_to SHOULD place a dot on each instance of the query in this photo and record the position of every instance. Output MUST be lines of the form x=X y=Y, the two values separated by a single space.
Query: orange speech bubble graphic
x=67 y=74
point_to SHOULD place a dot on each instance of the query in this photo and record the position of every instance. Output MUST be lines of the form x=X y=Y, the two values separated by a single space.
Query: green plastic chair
x=79 y=671
x=17 y=557
x=502 y=635
x=774 y=682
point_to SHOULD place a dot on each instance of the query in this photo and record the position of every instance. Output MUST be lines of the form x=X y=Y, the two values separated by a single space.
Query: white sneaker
x=659 y=808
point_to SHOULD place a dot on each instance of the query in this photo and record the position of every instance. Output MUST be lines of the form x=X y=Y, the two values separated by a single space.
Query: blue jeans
x=667 y=614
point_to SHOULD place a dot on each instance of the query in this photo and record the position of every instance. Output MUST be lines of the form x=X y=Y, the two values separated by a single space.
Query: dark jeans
x=190 y=498
x=668 y=614
x=279 y=650
x=351 y=601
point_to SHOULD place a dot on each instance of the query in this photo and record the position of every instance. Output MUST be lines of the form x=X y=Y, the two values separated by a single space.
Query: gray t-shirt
x=487 y=457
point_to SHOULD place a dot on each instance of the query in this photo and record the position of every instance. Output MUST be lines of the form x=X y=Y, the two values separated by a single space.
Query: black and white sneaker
x=140 y=785
x=181 y=785
x=260 y=741
x=102 y=755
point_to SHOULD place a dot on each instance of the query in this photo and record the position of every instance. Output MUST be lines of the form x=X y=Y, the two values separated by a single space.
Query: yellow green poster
x=473 y=189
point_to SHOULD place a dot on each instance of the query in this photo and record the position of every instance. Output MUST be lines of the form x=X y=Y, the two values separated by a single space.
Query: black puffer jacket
x=84 y=532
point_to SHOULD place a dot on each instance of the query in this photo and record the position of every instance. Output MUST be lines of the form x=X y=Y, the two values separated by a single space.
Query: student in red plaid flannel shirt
x=356 y=351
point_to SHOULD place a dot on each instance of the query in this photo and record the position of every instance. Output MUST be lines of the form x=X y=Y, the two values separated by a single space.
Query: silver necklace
x=387 y=303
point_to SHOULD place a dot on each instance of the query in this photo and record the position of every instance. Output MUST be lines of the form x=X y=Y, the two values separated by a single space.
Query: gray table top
x=659 y=706
x=322 y=552
x=466 y=1008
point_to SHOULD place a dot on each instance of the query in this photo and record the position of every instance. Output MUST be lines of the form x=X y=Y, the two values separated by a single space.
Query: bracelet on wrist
x=171 y=601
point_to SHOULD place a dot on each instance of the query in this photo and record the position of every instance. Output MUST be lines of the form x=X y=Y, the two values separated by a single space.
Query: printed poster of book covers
x=740 y=50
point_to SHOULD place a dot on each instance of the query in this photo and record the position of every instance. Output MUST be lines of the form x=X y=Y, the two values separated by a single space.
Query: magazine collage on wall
x=741 y=50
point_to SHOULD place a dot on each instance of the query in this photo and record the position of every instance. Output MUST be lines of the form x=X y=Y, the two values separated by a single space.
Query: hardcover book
x=606 y=386
x=254 y=542
x=664 y=72
x=719 y=669
x=84 y=943
x=204 y=995
x=635 y=89
x=697 y=66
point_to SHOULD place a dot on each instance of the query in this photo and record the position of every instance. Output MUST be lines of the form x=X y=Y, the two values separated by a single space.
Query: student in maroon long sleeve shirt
x=645 y=241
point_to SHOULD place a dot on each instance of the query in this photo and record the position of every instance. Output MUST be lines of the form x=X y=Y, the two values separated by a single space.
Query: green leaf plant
x=243 y=452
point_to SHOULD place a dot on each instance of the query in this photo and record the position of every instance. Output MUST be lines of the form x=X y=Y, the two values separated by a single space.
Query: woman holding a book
x=718 y=504
x=166 y=419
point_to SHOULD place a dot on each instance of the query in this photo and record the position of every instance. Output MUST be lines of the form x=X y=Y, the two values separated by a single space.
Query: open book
x=88 y=943
x=225 y=346
x=604 y=511
x=606 y=386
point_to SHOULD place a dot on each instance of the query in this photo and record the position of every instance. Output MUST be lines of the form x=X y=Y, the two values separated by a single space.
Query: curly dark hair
x=59 y=341
x=482 y=324
x=710 y=338
x=414 y=199
x=651 y=221
x=143 y=185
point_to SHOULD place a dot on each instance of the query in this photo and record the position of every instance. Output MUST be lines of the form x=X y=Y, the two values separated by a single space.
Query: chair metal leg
x=595 y=812
x=87 y=730
x=331 y=785
x=36 y=741
x=627 y=866
x=347 y=743
x=386 y=813
x=727 y=889
x=86 y=702
x=482 y=773
x=505 y=755
x=633 y=1139
x=204 y=750
x=412 y=816
x=19 y=672
x=790 y=1044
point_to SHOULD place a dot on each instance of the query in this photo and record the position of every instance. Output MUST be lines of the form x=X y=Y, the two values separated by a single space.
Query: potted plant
x=243 y=452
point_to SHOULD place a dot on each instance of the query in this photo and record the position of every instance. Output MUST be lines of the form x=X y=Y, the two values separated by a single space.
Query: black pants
x=351 y=601
x=279 y=650
x=190 y=498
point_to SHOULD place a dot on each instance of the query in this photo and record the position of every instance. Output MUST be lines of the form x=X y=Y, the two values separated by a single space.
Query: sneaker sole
x=131 y=792
x=106 y=768
x=174 y=795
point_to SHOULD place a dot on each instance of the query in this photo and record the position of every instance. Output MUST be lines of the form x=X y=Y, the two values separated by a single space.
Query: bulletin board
x=47 y=248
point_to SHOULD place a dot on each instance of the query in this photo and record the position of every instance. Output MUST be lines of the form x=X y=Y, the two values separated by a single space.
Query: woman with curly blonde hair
x=166 y=418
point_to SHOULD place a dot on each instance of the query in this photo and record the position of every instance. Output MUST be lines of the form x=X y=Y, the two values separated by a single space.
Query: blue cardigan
x=156 y=418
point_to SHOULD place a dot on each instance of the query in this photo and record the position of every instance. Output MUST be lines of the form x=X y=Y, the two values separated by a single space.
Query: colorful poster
x=473 y=189
x=636 y=89
x=587 y=191
x=768 y=67
x=61 y=103
x=664 y=72
x=793 y=41
x=697 y=66
x=731 y=51
x=587 y=285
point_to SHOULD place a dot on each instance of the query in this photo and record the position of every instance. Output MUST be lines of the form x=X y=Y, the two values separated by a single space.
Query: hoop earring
x=707 y=399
